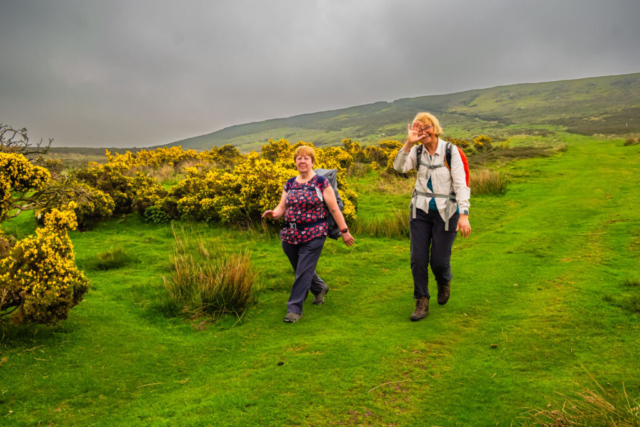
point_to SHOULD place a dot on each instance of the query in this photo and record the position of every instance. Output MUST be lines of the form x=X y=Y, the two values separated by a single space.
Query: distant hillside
x=587 y=106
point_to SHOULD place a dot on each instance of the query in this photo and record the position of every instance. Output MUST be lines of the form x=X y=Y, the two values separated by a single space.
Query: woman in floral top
x=306 y=229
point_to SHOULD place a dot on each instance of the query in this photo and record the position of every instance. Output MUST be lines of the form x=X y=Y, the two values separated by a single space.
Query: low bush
x=39 y=280
x=632 y=141
x=94 y=206
x=488 y=182
x=208 y=281
x=482 y=143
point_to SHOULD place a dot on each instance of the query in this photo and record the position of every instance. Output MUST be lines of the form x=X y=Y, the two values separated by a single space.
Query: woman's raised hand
x=413 y=135
x=348 y=239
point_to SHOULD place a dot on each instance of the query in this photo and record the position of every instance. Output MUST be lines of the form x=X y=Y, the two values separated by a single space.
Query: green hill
x=598 y=105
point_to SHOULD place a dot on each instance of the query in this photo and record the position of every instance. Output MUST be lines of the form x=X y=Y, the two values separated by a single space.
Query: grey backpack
x=332 y=176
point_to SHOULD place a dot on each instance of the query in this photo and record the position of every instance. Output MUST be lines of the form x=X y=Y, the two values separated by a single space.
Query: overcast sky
x=140 y=73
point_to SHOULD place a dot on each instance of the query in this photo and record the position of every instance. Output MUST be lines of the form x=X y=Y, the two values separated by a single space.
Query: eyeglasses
x=421 y=128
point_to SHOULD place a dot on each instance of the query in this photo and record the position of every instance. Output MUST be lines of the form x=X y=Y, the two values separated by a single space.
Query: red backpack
x=447 y=160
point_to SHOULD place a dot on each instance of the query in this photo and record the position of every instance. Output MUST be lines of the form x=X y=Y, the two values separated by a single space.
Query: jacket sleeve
x=405 y=162
x=459 y=181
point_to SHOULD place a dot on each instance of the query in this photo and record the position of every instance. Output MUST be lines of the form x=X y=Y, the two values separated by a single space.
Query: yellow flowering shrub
x=334 y=156
x=94 y=207
x=231 y=198
x=354 y=149
x=462 y=143
x=482 y=142
x=128 y=192
x=376 y=154
x=254 y=185
x=17 y=178
x=39 y=280
x=275 y=151
x=154 y=158
x=226 y=156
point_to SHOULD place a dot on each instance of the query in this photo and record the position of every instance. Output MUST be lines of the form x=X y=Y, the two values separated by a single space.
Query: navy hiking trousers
x=304 y=259
x=430 y=244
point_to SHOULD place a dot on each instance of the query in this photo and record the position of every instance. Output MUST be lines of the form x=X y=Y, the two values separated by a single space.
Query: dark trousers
x=304 y=258
x=430 y=244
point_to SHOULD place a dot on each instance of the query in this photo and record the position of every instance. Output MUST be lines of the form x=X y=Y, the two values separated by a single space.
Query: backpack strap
x=289 y=184
x=447 y=156
x=418 y=157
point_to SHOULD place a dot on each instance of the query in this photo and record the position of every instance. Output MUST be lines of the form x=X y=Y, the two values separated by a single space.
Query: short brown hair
x=305 y=150
x=429 y=119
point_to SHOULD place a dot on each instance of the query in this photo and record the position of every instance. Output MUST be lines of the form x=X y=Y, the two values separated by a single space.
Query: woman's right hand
x=348 y=239
x=413 y=135
x=270 y=214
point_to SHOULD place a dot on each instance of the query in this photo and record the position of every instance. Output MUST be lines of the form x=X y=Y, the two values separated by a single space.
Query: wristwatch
x=465 y=212
x=344 y=230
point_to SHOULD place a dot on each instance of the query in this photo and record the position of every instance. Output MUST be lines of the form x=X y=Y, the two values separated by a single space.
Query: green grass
x=533 y=279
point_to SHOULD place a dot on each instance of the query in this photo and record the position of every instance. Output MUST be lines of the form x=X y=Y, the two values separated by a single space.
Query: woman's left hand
x=464 y=226
x=348 y=239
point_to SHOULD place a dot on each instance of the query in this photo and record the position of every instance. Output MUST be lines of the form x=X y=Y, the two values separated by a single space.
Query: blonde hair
x=429 y=119
x=305 y=150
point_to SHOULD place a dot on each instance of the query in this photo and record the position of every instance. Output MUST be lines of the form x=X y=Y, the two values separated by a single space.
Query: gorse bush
x=19 y=179
x=482 y=143
x=206 y=280
x=94 y=206
x=462 y=143
x=39 y=281
x=488 y=182
x=128 y=193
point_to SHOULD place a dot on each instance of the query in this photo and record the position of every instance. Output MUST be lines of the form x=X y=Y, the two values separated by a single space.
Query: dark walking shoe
x=292 y=317
x=422 y=309
x=444 y=291
x=319 y=299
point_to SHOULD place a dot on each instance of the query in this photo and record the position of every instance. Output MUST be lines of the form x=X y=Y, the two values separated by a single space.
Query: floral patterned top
x=304 y=207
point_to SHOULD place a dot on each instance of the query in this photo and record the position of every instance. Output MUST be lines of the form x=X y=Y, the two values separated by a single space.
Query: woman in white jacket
x=439 y=207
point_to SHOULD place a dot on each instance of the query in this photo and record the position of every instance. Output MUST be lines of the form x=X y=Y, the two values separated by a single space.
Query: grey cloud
x=122 y=73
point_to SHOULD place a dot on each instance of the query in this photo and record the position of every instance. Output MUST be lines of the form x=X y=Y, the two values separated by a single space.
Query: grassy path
x=541 y=278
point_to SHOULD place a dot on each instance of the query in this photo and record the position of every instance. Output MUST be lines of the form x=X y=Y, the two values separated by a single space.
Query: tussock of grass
x=206 y=280
x=589 y=408
x=631 y=283
x=488 y=182
x=561 y=148
x=632 y=303
x=393 y=225
x=111 y=259
x=632 y=141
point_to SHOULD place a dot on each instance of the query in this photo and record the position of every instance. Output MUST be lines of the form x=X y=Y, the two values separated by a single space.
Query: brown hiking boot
x=319 y=299
x=444 y=292
x=422 y=309
x=292 y=317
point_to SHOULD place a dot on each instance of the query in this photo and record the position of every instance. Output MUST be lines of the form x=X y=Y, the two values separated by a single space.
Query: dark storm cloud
x=145 y=73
